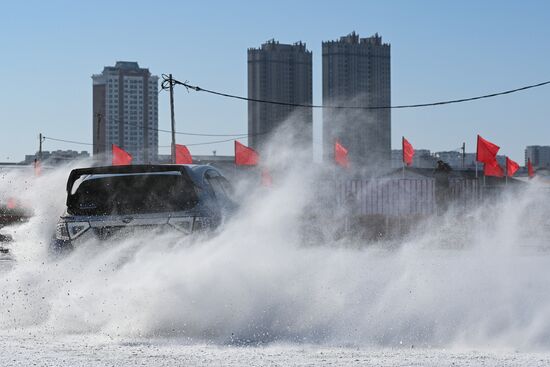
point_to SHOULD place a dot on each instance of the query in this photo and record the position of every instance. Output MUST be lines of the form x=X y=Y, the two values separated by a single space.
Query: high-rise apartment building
x=125 y=112
x=356 y=72
x=539 y=155
x=282 y=73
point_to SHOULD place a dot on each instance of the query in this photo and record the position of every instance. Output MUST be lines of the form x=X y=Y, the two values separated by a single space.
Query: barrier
x=405 y=196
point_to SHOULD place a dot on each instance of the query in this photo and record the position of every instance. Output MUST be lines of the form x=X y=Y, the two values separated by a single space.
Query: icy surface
x=466 y=289
x=90 y=350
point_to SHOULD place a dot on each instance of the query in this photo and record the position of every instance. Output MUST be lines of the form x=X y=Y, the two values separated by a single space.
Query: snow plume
x=365 y=133
x=478 y=278
x=42 y=197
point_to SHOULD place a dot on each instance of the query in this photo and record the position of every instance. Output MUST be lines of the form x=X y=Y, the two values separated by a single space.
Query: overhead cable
x=159 y=146
x=180 y=132
x=165 y=85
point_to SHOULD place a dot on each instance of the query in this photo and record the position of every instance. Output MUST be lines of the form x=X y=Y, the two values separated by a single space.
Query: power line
x=165 y=85
x=67 y=141
x=180 y=132
x=188 y=134
x=159 y=146
x=210 y=142
x=197 y=134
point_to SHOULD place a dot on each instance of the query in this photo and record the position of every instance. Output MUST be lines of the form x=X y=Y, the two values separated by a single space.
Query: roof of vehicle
x=193 y=170
x=199 y=169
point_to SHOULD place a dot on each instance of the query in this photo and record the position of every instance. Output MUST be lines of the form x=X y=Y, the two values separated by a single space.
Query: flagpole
x=403 y=154
x=506 y=173
x=235 y=158
x=477 y=153
x=172 y=120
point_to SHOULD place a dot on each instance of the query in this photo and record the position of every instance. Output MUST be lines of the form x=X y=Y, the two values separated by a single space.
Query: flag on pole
x=182 y=155
x=511 y=167
x=493 y=169
x=486 y=151
x=245 y=156
x=120 y=156
x=341 y=155
x=408 y=152
x=530 y=170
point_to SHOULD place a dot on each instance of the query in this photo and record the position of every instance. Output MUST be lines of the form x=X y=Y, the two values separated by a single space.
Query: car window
x=226 y=186
x=218 y=184
x=132 y=194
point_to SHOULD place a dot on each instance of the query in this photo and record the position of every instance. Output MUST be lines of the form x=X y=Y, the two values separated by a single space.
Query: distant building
x=455 y=159
x=57 y=157
x=422 y=159
x=282 y=73
x=539 y=155
x=125 y=112
x=356 y=72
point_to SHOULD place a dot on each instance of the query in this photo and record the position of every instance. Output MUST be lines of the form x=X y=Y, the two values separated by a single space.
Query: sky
x=439 y=50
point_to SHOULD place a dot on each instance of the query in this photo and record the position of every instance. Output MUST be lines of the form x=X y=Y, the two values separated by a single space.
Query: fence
x=405 y=196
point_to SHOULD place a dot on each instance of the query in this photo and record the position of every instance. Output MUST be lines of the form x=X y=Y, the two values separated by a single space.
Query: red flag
x=530 y=170
x=12 y=203
x=493 y=169
x=267 y=180
x=486 y=151
x=341 y=154
x=120 y=156
x=408 y=152
x=182 y=155
x=245 y=156
x=511 y=167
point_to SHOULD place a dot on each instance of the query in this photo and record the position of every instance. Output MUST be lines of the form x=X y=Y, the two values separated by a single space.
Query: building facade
x=281 y=73
x=457 y=160
x=125 y=112
x=422 y=159
x=356 y=72
x=56 y=157
x=539 y=155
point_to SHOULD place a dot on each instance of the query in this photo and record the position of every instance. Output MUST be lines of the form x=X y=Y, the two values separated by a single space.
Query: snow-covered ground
x=470 y=289
x=37 y=349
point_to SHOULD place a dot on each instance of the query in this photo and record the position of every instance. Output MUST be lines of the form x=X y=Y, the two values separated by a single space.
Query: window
x=218 y=185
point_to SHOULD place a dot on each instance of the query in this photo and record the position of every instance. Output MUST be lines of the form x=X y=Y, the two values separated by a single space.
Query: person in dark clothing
x=352 y=212
x=442 y=186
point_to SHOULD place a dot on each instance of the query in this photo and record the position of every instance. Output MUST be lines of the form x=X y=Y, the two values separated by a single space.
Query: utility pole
x=173 y=119
x=40 y=141
x=463 y=153
x=97 y=148
x=38 y=157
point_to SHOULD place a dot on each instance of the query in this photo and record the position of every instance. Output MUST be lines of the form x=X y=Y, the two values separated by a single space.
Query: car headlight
x=202 y=223
x=184 y=224
x=76 y=229
x=61 y=232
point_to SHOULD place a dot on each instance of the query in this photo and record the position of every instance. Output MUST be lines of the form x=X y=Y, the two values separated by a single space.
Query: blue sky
x=440 y=50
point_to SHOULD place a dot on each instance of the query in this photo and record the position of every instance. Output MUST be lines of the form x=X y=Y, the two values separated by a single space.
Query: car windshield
x=132 y=194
